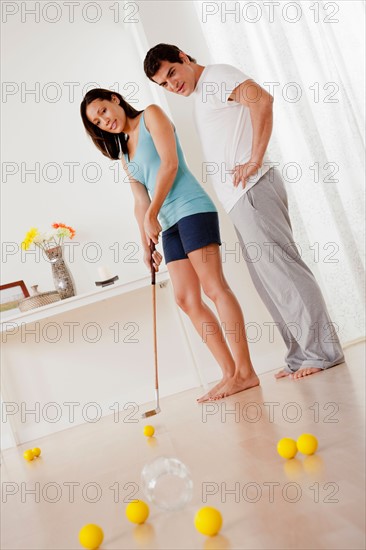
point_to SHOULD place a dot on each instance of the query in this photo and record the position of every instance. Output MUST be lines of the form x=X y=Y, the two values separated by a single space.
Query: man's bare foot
x=213 y=391
x=304 y=372
x=297 y=374
x=282 y=373
x=236 y=384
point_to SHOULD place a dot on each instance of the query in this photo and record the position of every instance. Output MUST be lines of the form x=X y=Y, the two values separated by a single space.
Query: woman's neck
x=131 y=125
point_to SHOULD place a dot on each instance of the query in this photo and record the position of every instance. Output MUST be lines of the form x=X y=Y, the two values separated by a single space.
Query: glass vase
x=62 y=278
x=167 y=483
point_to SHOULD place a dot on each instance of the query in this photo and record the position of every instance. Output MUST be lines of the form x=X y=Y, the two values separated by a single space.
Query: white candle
x=104 y=273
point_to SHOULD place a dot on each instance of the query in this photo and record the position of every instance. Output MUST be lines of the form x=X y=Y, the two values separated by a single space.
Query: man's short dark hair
x=159 y=53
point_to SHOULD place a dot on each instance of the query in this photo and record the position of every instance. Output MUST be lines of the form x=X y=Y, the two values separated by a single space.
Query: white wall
x=38 y=130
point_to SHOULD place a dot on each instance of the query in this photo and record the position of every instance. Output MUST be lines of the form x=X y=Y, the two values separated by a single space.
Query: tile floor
x=87 y=474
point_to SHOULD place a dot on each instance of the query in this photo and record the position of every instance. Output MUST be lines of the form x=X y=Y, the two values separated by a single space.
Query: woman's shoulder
x=153 y=111
x=152 y=107
x=154 y=116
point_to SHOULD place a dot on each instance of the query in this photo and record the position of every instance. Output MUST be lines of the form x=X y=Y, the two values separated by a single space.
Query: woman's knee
x=214 y=290
x=186 y=301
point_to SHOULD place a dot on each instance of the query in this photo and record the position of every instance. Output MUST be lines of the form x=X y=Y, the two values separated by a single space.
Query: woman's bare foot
x=208 y=396
x=236 y=384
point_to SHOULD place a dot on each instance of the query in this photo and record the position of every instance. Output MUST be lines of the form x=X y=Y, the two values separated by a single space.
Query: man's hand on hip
x=242 y=172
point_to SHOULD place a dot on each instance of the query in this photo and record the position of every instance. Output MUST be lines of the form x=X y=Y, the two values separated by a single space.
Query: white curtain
x=312 y=54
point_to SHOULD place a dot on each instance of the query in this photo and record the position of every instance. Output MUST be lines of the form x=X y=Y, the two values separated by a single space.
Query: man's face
x=178 y=78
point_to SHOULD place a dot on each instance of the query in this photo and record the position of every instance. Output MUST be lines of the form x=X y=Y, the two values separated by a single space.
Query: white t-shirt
x=226 y=131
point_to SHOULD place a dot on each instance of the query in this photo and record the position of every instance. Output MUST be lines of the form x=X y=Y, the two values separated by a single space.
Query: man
x=234 y=120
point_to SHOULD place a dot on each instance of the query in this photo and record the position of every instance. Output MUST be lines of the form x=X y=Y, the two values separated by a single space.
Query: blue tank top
x=186 y=196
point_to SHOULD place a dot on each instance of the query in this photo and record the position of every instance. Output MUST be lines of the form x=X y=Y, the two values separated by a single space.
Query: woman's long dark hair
x=109 y=144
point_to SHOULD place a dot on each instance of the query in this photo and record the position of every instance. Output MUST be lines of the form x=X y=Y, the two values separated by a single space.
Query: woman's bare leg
x=187 y=291
x=207 y=264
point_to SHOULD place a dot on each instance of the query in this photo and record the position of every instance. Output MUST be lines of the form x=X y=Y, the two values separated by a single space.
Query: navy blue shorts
x=190 y=233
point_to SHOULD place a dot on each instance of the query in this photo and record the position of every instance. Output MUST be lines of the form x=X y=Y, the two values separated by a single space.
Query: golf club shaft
x=153 y=285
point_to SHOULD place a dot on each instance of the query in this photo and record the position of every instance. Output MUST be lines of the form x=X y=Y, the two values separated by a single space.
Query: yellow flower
x=29 y=238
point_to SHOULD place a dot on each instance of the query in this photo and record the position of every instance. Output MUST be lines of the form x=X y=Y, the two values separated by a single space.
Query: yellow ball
x=149 y=431
x=208 y=521
x=28 y=455
x=137 y=511
x=307 y=444
x=91 y=536
x=36 y=451
x=286 y=447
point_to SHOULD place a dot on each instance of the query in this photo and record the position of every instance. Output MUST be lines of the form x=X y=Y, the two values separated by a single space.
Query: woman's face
x=109 y=116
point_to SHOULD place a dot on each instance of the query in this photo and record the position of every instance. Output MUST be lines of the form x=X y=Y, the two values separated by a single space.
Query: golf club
x=155 y=411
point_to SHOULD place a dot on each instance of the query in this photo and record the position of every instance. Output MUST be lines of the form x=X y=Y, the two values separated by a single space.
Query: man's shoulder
x=219 y=68
x=223 y=72
x=216 y=84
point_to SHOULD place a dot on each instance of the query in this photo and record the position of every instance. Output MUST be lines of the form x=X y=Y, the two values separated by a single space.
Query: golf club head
x=157 y=409
x=153 y=412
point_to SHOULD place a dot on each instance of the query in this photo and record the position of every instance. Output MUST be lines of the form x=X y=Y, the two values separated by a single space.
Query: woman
x=163 y=186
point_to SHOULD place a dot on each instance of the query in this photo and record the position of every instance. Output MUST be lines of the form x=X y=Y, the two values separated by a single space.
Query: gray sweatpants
x=284 y=282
